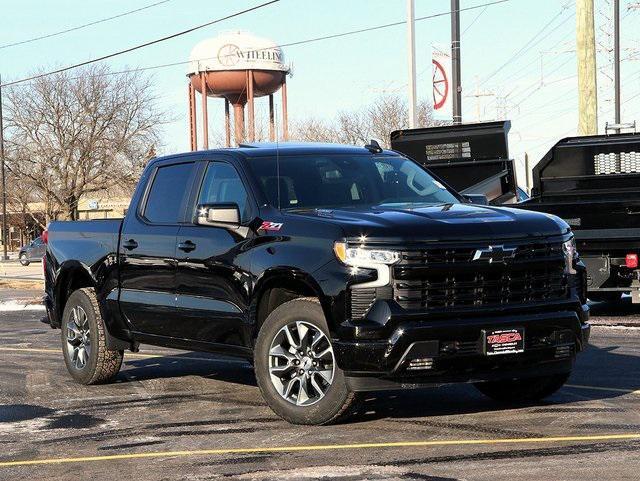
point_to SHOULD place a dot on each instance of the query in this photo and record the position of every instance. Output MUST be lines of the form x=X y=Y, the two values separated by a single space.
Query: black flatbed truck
x=593 y=183
x=471 y=158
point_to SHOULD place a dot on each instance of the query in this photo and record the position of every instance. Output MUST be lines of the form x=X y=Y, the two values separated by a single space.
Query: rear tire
x=24 y=260
x=282 y=367
x=522 y=390
x=84 y=341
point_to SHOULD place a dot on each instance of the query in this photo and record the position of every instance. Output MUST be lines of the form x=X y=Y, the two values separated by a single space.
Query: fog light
x=420 y=364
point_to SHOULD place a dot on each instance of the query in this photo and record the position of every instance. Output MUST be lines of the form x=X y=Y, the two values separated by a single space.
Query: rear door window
x=171 y=186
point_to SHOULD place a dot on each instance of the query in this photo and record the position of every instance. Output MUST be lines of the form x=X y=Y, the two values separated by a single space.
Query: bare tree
x=72 y=134
x=313 y=130
x=29 y=204
x=375 y=121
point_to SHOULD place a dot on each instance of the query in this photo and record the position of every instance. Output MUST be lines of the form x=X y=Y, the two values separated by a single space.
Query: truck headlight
x=378 y=259
x=362 y=257
x=570 y=254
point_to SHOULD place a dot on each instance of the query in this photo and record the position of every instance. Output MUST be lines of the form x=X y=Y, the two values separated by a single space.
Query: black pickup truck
x=335 y=269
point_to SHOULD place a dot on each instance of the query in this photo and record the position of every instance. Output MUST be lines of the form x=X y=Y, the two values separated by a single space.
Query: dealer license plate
x=503 y=341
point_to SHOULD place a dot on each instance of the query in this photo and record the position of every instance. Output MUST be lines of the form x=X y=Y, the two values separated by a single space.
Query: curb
x=620 y=323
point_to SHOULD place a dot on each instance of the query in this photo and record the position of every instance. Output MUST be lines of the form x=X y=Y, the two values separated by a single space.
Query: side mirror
x=221 y=215
x=479 y=199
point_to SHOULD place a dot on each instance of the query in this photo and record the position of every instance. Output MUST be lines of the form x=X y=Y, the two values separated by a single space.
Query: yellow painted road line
x=600 y=388
x=136 y=355
x=320 y=447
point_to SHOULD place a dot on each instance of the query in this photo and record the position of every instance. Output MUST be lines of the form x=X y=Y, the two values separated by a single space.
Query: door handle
x=633 y=210
x=186 y=246
x=130 y=244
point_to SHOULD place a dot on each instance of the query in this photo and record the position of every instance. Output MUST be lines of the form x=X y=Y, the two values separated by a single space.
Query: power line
x=79 y=27
x=520 y=74
x=528 y=95
x=420 y=74
x=527 y=45
x=541 y=82
x=387 y=25
x=474 y=21
x=146 y=44
x=604 y=113
x=289 y=44
x=526 y=72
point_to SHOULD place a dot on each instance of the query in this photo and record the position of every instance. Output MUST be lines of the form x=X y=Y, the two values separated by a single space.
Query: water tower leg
x=205 y=115
x=238 y=121
x=227 y=125
x=252 y=120
x=192 y=117
x=272 y=125
x=285 y=117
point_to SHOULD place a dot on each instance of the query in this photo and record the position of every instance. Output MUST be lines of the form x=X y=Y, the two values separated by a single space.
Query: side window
x=170 y=186
x=222 y=185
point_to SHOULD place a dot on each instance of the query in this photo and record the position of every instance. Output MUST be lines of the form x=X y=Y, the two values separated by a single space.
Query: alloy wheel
x=78 y=338
x=301 y=363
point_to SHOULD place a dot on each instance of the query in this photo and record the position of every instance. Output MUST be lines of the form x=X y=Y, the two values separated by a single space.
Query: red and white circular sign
x=440 y=85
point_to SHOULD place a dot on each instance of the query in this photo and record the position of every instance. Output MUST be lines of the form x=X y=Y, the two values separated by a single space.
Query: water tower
x=237 y=67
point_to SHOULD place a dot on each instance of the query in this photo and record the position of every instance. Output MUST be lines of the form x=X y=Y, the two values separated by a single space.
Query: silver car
x=32 y=252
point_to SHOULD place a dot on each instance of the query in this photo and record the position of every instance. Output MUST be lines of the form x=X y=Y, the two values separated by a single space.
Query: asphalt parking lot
x=183 y=415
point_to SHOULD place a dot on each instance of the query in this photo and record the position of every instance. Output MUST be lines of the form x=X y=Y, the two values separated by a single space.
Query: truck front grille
x=449 y=278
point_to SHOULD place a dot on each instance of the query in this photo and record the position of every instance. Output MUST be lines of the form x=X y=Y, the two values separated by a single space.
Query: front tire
x=24 y=260
x=522 y=390
x=84 y=341
x=296 y=368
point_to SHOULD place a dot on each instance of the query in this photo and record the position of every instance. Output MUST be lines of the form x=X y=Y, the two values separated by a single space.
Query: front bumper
x=451 y=350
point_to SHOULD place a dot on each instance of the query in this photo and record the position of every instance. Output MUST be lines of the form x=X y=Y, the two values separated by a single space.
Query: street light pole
x=455 y=61
x=4 y=183
x=411 y=46
x=616 y=60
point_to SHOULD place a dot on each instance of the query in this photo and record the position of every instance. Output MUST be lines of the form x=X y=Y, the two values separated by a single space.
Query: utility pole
x=411 y=47
x=4 y=183
x=455 y=61
x=478 y=95
x=616 y=60
x=587 y=84
x=527 y=171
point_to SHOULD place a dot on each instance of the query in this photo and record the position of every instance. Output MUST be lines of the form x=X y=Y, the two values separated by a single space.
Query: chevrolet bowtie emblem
x=493 y=254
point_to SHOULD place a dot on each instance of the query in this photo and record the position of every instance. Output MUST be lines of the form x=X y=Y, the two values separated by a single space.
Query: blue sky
x=536 y=90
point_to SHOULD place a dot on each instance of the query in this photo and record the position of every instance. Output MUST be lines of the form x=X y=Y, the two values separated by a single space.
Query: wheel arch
x=280 y=285
x=73 y=275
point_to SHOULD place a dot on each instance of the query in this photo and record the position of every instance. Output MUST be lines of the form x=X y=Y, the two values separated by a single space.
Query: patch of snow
x=14 y=305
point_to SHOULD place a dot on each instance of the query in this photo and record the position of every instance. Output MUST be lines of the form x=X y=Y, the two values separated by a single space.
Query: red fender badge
x=271 y=226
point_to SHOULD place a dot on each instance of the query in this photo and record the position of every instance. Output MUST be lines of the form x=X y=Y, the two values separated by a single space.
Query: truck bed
x=88 y=240
x=595 y=219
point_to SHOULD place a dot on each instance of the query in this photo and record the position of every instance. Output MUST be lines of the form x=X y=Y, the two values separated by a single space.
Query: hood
x=457 y=222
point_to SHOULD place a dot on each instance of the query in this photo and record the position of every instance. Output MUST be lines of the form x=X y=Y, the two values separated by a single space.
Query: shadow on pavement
x=599 y=367
x=617 y=309
x=229 y=370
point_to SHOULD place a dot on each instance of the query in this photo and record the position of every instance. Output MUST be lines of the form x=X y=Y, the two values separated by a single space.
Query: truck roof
x=268 y=149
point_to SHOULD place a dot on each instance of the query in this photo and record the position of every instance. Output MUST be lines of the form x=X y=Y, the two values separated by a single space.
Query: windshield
x=329 y=181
